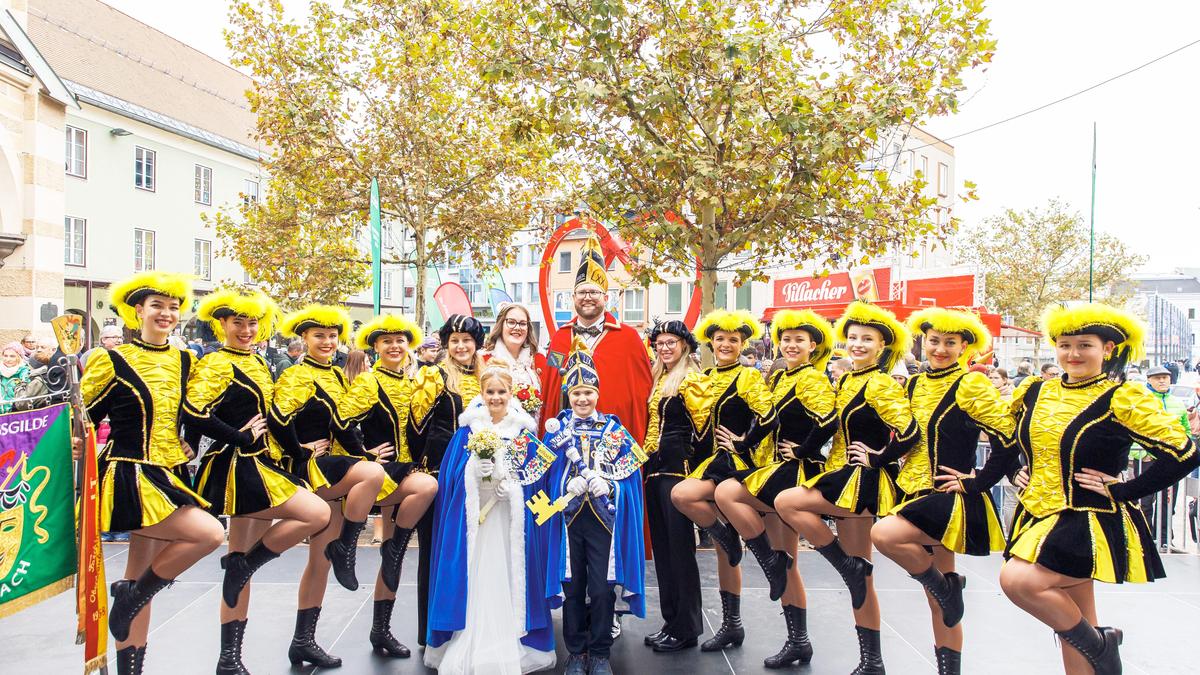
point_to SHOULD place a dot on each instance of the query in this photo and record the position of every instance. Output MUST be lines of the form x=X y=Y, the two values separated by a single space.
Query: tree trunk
x=421 y=257
x=709 y=258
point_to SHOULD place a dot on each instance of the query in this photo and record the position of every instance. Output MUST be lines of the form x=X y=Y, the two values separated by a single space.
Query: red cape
x=624 y=369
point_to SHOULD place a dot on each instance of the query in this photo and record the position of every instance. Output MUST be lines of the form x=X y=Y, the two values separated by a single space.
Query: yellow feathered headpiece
x=1104 y=321
x=125 y=295
x=734 y=322
x=820 y=330
x=895 y=333
x=966 y=324
x=316 y=316
x=253 y=304
x=388 y=324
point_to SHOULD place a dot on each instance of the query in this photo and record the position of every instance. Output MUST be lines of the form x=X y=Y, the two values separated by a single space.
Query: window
x=516 y=291
x=721 y=295
x=76 y=152
x=674 y=298
x=533 y=291
x=1191 y=312
x=564 y=261
x=924 y=167
x=250 y=192
x=143 y=169
x=943 y=179
x=143 y=250
x=74 y=240
x=741 y=298
x=202 y=259
x=203 y=185
x=635 y=305
x=910 y=163
x=385 y=283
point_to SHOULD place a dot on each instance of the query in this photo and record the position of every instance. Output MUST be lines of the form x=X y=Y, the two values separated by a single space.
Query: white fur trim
x=477 y=417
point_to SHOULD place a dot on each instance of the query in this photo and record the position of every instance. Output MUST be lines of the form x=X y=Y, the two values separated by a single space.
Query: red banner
x=837 y=288
x=92 y=596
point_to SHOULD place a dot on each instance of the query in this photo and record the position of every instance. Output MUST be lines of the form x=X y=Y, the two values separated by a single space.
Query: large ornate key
x=544 y=509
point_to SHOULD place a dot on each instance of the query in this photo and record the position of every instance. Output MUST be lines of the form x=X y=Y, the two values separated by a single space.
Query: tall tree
x=1036 y=256
x=709 y=128
x=390 y=89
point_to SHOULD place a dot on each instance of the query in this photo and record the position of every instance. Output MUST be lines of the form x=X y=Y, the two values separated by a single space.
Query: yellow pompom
x=734 y=322
x=386 y=324
x=1110 y=323
x=313 y=316
x=895 y=333
x=808 y=320
x=236 y=302
x=126 y=294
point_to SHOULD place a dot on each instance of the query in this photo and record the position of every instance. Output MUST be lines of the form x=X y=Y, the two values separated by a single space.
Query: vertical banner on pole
x=37 y=515
x=376 y=246
x=91 y=599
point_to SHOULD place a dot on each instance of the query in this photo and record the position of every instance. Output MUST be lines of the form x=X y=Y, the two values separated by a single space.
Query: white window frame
x=925 y=168
x=564 y=261
x=143 y=248
x=202 y=259
x=671 y=309
x=203 y=186
x=636 y=313
x=943 y=179
x=516 y=290
x=145 y=157
x=532 y=288
x=249 y=192
x=76 y=164
x=74 y=229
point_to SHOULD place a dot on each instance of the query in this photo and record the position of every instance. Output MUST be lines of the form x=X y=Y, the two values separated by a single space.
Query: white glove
x=577 y=485
x=485 y=467
x=500 y=471
x=598 y=486
x=502 y=489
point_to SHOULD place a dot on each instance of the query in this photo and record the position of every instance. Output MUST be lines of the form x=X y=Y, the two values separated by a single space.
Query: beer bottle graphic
x=862 y=282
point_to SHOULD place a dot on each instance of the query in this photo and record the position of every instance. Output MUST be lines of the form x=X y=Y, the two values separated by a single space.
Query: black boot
x=775 y=564
x=870 y=660
x=304 y=643
x=129 y=598
x=949 y=662
x=382 y=640
x=1099 y=645
x=130 y=660
x=239 y=567
x=393 y=551
x=341 y=553
x=230 y=662
x=854 y=571
x=731 y=633
x=797 y=647
x=727 y=538
x=947 y=590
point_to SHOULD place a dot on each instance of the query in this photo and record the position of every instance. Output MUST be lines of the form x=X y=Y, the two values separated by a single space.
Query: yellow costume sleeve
x=359 y=399
x=207 y=385
x=980 y=399
x=650 y=445
x=752 y=388
x=698 y=397
x=1149 y=424
x=888 y=399
x=1017 y=403
x=98 y=378
x=294 y=388
x=816 y=394
x=427 y=386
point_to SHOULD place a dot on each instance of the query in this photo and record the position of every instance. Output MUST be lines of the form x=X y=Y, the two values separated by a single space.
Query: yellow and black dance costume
x=738 y=399
x=675 y=421
x=139 y=387
x=871 y=409
x=952 y=406
x=432 y=420
x=378 y=400
x=238 y=475
x=1064 y=427
x=304 y=411
x=803 y=399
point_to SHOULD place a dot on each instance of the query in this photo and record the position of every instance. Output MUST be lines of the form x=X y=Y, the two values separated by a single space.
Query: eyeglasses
x=666 y=344
x=588 y=294
x=513 y=323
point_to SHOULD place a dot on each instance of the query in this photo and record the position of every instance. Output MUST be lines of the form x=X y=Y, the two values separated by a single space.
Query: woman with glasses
x=678 y=412
x=512 y=341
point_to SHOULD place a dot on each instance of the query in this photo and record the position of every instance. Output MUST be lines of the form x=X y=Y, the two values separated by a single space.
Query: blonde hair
x=495 y=372
x=455 y=373
x=671 y=379
x=356 y=364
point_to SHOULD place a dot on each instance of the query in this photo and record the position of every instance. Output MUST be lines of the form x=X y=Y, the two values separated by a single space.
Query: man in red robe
x=617 y=350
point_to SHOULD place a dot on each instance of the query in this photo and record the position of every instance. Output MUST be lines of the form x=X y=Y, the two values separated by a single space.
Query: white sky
x=1147 y=190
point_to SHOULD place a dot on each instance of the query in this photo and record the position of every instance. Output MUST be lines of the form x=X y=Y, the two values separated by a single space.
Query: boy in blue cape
x=597 y=555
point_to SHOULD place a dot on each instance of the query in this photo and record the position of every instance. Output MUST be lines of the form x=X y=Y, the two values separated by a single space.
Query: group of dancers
x=526 y=493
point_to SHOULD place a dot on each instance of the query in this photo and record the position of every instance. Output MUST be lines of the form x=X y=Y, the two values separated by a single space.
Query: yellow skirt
x=235 y=484
x=963 y=523
x=720 y=466
x=134 y=495
x=858 y=489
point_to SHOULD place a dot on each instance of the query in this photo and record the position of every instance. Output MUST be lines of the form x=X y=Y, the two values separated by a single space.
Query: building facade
x=1171 y=305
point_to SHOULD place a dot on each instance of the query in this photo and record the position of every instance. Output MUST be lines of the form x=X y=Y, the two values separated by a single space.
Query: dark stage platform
x=1160 y=622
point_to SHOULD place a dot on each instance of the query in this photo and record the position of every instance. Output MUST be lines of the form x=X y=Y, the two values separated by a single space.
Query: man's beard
x=591 y=314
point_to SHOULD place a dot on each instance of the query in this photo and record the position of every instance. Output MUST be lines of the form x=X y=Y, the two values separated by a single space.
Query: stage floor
x=1159 y=620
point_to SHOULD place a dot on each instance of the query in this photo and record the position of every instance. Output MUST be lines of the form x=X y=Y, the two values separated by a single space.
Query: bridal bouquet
x=528 y=397
x=484 y=444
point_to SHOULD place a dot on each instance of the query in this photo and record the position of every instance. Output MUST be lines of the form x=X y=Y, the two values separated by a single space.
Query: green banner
x=37 y=507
